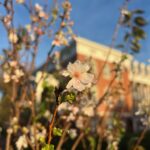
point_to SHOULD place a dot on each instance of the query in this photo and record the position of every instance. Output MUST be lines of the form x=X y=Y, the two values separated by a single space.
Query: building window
x=107 y=72
x=121 y=100
x=93 y=62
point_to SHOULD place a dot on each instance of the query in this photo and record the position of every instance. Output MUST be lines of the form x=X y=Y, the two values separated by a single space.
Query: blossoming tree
x=56 y=109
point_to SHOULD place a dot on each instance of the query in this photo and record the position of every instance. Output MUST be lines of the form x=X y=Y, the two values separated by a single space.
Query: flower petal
x=87 y=78
x=78 y=85
x=65 y=73
x=71 y=68
x=80 y=67
x=86 y=67
x=70 y=84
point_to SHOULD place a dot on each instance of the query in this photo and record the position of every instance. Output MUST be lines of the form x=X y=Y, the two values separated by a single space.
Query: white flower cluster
x=21 y=142
x=13 y=38
x=73 y=111
x=114 y=129
x=144 y=111
x=60 y=39
x=40 y=133
x=87 y=104
x=125 y=11
x=13 y=72
x=7 y=20
x=30 y=32
x=39 y=10
x=73 y=133
x=41 y=78
x=73 y=114
x=81 y=79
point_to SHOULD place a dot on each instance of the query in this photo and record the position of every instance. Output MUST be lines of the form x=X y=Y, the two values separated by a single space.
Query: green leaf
x=48 y=91
x=92 y=142
x=87 y=130
x=120 y=46
x=48 y=147
x=140 y=21
x=42 y=107
x=54 y=14
x=42 y=140
x=68 y=97
x=126 y=37
x=18 y=47
x=124 y=57
x=138 y=32
x=45 y=84
x=138 y=11
x=127 y=18
x=69 y=30
x=24 y=32
x=135 y=46
x=57 y=131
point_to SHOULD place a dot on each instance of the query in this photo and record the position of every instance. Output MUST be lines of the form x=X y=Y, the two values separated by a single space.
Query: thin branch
x=140 y=138
x=99 y=145
x=33 y=116
x=51 y=125
x=77 y=141
x=29 y=142
x=8 y=139
x=61 y=141
x=115 y=35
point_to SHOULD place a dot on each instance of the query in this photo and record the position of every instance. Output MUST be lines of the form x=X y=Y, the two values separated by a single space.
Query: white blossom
x=13 y=38
x=71 y=117
x=7 y=20
x=80 y=76
x=47 y=114
x=88 y=110
x=63 y=106
x=14 y=120
x=80 y=122
x=21 y=142
x=38 y=7
x=19 y=73
x=42 y=134
x=16 y=75
x=32 y=36
x=42 y=77
x=73 y=109
x=6 y=77
x=144 y=111
x=125 y=12
x=9 y=130
x=42 y=14
x=73 y=133
x=13 y=63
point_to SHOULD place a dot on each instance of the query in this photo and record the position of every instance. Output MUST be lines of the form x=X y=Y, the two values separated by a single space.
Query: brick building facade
x=134 y=78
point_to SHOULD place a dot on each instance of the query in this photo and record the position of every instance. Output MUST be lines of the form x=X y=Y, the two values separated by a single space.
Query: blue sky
x=94 y=20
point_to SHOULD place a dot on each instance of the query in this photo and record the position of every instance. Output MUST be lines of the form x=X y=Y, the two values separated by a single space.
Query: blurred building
x=131 y=85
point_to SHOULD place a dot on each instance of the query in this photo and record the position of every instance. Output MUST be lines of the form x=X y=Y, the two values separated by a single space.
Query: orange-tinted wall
x=103 y=83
